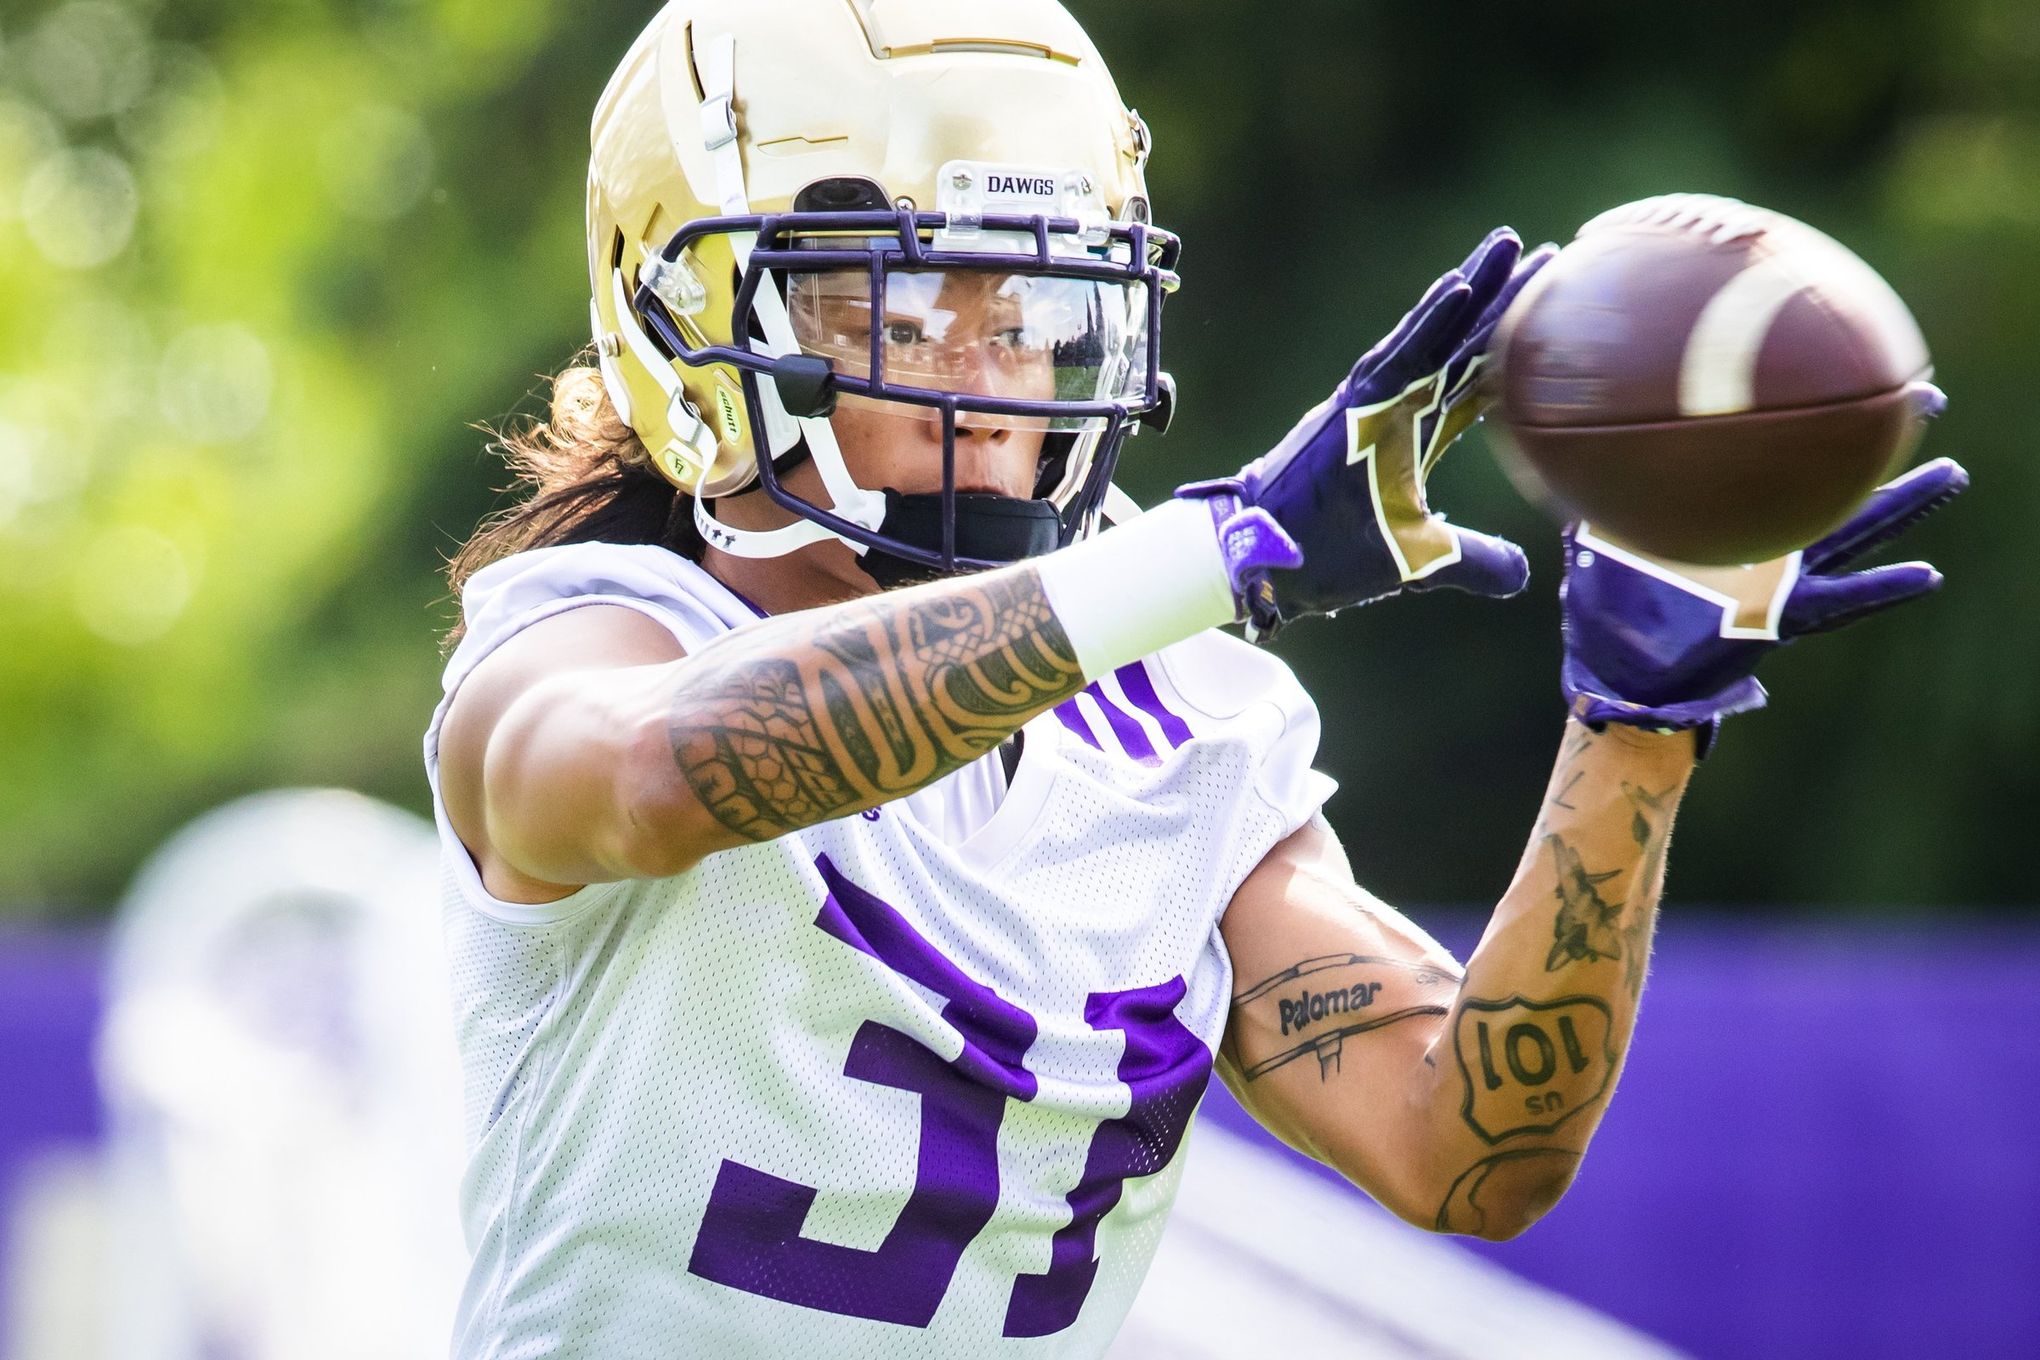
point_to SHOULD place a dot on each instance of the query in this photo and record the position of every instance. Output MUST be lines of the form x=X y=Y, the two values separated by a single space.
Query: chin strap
x=1119 y=508
x=782 y=432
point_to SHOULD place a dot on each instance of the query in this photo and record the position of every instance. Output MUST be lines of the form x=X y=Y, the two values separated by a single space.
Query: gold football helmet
x=786 y=201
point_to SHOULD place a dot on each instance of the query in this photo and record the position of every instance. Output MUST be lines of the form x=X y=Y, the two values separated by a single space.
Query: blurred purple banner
x=1822 y=1145
x=49 y=1017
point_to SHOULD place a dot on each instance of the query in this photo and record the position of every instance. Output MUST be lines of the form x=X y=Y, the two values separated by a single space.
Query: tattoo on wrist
x=1322 y=1002
x=866 y=702
x=1529 y=1066
x=1651 y=826
x=1644 y=807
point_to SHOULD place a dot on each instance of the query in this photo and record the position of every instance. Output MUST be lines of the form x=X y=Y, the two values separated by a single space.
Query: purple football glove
x=1335 y=515
x=1662 y=645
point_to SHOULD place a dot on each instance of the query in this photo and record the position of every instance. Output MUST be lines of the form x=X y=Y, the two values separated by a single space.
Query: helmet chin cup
x=986 y=528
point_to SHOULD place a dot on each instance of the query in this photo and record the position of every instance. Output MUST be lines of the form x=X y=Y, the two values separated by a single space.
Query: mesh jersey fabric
x=906 y=1084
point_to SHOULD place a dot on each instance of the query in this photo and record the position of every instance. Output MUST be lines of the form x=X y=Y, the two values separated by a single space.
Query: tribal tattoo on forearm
x=826 y=713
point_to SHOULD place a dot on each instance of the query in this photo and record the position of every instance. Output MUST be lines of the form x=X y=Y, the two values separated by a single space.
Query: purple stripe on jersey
x=1140 y=688
x=996 y=1033
x=1129 y=732
x=1072 y=717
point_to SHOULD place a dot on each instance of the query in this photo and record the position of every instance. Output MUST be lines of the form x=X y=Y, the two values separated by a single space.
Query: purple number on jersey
x=1166 y=1067
x=751 y=1237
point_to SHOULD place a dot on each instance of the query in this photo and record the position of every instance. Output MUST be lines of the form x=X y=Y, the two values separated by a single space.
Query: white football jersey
x=907 y=1084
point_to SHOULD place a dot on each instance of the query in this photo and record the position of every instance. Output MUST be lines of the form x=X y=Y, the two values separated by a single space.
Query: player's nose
x=978 y=428
x=990 y=459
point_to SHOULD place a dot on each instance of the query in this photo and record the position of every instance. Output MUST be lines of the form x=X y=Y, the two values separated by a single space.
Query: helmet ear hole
x=849 y=193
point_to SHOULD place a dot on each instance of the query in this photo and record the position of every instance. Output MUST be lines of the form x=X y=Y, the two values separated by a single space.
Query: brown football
x=1708 y=381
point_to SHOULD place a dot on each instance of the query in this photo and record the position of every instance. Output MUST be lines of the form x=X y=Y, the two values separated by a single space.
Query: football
x=1708 y=381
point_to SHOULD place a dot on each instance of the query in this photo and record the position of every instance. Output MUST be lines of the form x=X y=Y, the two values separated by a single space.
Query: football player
x=858 y=855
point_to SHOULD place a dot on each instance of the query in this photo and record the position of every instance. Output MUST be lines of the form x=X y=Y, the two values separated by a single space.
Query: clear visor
x=1015 y=337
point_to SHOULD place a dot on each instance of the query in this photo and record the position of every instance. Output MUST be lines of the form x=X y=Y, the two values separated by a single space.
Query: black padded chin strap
x=989 y=528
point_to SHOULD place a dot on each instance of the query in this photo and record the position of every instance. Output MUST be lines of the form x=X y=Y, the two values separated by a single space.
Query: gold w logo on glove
x=1401 y=440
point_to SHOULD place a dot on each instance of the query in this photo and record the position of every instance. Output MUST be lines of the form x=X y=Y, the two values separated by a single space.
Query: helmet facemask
x=1043 y=327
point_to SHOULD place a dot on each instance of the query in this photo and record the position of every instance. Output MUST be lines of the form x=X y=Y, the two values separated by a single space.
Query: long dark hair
x=586 y=478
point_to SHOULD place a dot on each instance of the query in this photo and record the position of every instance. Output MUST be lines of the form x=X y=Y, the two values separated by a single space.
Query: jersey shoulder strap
x=506 y=597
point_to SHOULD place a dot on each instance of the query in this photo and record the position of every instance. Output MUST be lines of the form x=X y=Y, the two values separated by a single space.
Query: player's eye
x=903 y=333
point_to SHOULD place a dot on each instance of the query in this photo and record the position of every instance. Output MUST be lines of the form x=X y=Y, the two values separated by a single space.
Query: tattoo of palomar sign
x=1531 y=1065
x=1317 y=999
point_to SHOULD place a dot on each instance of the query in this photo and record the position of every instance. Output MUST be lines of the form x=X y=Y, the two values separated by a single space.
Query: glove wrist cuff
x=1251 y=543
x=1702 y=717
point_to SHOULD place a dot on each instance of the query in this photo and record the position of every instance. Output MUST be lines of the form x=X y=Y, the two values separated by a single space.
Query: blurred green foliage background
x=263 y=265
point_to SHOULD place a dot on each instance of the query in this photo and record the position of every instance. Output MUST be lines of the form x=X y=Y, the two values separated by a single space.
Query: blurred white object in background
x=282 y=1091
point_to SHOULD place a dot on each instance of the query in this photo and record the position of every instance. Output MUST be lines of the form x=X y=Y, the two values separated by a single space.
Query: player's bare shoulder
x=598 y=637
x=575 y=642
x=523 y=738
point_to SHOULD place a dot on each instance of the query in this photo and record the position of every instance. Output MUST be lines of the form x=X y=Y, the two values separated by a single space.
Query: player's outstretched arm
x=575 y=762
x=586 y=750
x=1463 y=1103
x=821 y=714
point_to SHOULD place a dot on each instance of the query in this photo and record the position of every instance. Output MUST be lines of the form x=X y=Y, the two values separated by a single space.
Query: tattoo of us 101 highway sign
x=1532 y=1065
